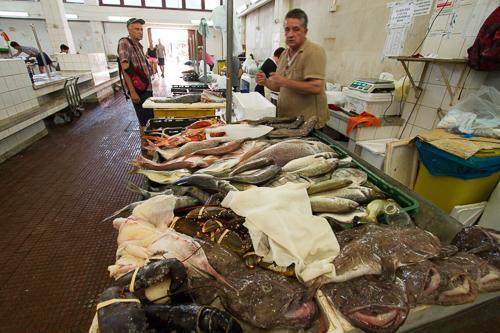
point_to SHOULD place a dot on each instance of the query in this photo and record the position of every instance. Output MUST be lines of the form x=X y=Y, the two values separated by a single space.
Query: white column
x=57 y=24
x=281 y=7
x=98 y=37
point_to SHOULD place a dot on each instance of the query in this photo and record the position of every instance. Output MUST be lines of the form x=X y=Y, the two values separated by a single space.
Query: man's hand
x=277 y=80
x=260 y=78
x=135 y=97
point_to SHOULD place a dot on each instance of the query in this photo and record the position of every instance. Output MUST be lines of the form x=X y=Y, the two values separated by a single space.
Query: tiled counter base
x=23 y=108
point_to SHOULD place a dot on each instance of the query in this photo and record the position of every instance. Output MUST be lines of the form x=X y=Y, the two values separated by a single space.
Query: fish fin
x=136 y=189
x=389 y=267
x=129 y=207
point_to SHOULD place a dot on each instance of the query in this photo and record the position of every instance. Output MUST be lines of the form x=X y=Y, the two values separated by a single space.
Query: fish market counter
x=24 y=105
x=214 y=223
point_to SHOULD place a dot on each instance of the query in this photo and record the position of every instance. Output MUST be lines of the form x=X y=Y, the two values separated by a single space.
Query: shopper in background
x=33 y=52
x=160 y=52
x=152 y=57
x=269 y=66
x=300 y=76
x=210 y=59
x=136 y=70
x=64 y=48
x=237 y=73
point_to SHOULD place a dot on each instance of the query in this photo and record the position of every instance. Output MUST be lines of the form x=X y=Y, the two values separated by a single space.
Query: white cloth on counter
x=284 y=230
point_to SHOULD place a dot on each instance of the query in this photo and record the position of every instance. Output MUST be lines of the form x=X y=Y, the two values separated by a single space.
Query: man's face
x=135 y=31
x=295 y=32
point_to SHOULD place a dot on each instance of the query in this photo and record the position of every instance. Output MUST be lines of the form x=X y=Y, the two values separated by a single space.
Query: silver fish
x=328 y=185
x=256 y=176
x=194 y=146
x=286 y=151
x=332 y=205
x=346 y=218
x=163 y=177
x=357 y=176
x=221 y=168
x=255 y=164
x=147 y=194
x=303 y=162
x=317 y=168
x=346 y=162
x=360 y=194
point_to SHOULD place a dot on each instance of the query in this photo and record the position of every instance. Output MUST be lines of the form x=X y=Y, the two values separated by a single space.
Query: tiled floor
x=54 y=251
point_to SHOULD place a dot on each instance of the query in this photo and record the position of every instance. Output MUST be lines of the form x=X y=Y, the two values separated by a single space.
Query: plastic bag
x=480 y=110
x=250 y=66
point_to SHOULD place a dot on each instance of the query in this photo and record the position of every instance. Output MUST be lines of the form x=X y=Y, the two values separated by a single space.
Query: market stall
x=283 y=230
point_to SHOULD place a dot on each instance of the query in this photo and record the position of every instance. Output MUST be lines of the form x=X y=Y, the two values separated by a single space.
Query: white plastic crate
x=375 y=104
x=252 y=106
x=373 y=151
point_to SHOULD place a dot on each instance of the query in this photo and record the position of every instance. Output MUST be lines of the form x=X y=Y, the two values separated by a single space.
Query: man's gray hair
x=298 y=13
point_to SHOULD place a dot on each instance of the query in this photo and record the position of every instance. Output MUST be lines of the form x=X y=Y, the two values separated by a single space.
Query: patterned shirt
x=133 y=53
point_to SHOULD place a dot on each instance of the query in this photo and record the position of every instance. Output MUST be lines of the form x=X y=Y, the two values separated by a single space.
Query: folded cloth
x=365 y=118
x=284 y=230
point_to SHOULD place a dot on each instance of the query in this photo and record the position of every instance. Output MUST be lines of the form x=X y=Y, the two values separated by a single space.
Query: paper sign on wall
x=422 y=7
x=395 y=42
x=445 y=5
x=402 y=15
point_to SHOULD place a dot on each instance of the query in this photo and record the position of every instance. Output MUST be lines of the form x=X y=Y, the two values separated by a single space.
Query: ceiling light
x=241 y=9
x=71 y=16
x=254 y=1
x=118 y=18
x=13 y=14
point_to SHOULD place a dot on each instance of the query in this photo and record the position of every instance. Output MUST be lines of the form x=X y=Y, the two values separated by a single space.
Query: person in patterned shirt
x=136 y=70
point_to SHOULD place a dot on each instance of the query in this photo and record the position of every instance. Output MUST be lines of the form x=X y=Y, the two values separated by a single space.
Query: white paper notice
x=395 y=42
x=402 y=15
x=422 y=7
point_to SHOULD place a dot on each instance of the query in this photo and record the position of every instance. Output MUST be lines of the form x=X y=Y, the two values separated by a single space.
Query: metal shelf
x=439 y=62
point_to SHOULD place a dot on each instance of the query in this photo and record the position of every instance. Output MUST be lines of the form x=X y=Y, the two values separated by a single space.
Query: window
x=193 y=4
x=211 y=4
x=198 y=5
x=173 y=3
x=110 y=2
x=135 y=3
x=153 y=3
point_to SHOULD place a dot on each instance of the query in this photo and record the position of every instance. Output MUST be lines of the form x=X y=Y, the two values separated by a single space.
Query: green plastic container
x=407 y=203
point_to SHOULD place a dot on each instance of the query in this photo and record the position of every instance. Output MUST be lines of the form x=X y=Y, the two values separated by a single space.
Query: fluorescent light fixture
x=118 y=18
x=254 y=1
x=241 y=9
x=71 y=16
x=13 y=14
x=197 y=22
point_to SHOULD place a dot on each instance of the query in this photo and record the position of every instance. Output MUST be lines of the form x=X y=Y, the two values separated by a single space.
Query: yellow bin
x=183 y=112
x=448 y=192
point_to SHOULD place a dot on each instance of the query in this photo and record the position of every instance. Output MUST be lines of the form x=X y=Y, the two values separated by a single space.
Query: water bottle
x=394 y=215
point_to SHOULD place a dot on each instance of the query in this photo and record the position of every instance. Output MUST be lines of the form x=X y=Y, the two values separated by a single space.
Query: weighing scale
x=372 y=86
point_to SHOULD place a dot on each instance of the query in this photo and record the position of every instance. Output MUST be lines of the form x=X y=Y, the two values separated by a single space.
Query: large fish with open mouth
x=456 y=285
x=421 y=280
x=377 y=249
x=486 y=276
x=374 y=305
x=483 y=242
x=261 y=298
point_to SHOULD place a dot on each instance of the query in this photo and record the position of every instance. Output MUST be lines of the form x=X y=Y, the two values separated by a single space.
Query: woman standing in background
x=151 y=54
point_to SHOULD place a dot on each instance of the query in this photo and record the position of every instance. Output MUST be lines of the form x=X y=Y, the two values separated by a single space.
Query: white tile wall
x=446 y=43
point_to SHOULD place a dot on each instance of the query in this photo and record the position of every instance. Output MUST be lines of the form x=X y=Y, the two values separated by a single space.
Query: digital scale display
x=372 y=86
